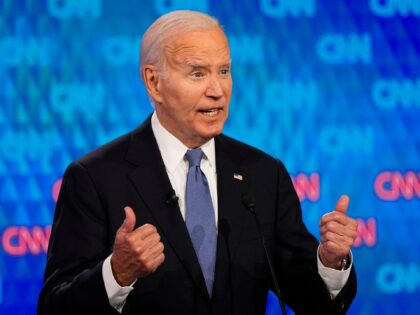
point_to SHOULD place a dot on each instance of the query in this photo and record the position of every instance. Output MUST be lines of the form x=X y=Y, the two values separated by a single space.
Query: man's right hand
x=136 y=253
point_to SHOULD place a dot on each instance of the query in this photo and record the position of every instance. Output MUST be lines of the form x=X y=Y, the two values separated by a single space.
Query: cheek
x=178 y=102
x=187 y=96
x=227 y=87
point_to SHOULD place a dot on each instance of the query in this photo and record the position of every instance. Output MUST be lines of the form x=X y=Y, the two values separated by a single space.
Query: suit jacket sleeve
x=295 y=255
x=79 y=243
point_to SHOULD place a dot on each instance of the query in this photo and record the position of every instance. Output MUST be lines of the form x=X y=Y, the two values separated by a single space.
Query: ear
x=152 y=82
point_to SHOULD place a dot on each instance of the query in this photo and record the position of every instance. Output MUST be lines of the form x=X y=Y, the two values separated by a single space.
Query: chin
x=207 y=131
x=209 y=134
x=213 y=131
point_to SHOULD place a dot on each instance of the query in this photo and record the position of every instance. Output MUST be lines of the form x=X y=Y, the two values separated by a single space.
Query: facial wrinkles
x=179 y=53
x=176 y=52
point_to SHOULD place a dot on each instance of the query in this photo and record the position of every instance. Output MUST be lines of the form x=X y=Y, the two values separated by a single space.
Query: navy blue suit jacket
x=130 y=171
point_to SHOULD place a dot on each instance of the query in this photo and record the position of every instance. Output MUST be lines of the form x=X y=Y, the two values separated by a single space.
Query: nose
x=214 y=88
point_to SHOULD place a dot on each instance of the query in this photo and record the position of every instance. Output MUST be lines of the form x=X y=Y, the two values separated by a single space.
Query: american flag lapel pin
x=237 y=176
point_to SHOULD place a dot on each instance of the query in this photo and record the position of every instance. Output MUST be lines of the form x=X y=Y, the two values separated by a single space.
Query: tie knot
x=194 y=157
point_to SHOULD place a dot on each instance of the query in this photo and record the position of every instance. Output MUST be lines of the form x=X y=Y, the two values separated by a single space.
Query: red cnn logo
x=391 y=186
x=307 y=187
x=366 y=232
x=21 y=240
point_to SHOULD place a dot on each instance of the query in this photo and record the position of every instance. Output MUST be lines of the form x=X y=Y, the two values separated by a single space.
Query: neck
x=189 y=142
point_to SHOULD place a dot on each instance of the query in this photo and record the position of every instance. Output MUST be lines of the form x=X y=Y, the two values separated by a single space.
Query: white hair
x=169 y=25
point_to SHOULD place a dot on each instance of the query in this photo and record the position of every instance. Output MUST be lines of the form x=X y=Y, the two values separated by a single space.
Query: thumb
x=342 y=204
x=130 y=220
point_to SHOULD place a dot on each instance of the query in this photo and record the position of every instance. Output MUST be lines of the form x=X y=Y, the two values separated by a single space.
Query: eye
x=224 y=71
x=197 y=74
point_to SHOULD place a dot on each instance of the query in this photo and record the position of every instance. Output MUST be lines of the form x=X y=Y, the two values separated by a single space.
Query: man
x=155 y=222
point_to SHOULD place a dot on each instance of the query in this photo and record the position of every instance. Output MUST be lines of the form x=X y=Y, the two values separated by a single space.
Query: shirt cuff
x=334 y=279
x=117 y=294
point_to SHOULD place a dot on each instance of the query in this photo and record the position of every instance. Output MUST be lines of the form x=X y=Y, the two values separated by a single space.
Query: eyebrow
x=195 y=65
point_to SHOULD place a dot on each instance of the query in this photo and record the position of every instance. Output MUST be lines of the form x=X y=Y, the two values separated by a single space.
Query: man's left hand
x=338 y=233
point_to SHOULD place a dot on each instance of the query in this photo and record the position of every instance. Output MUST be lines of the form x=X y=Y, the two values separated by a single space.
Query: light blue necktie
x=200 y=217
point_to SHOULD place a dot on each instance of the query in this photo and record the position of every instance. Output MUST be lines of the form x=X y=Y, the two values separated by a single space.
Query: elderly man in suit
x=155 y=222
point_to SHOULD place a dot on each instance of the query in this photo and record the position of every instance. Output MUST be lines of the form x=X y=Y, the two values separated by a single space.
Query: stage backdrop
x=330 y=87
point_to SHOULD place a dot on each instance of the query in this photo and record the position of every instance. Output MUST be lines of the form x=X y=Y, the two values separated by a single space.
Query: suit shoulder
x=246 y=152
x=113 y=156
x=114 y=150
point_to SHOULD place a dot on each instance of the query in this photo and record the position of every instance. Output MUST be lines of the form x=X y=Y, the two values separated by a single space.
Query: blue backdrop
x=330 y=87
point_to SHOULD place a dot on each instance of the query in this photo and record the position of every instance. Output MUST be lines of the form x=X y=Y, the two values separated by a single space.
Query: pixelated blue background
x=330 y=87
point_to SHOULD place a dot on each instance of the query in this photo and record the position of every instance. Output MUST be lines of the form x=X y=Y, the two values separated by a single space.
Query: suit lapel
x=152 y=183
x=231 y=184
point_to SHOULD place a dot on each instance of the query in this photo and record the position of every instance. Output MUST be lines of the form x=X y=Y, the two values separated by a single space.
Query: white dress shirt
x=173 y=152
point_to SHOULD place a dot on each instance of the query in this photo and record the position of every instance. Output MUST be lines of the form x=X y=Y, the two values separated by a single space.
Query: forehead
x=195 y=46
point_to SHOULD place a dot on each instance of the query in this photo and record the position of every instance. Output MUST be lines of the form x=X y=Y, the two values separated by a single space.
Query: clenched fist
x=136 y=253
x=338 y=233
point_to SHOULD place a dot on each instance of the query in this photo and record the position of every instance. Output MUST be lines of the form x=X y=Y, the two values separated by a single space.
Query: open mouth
x=210 y=112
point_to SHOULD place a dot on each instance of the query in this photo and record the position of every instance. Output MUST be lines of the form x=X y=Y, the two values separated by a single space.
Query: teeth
x=210 y=112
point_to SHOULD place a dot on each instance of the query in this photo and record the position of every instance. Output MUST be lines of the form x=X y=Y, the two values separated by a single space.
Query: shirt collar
x=173 y=150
